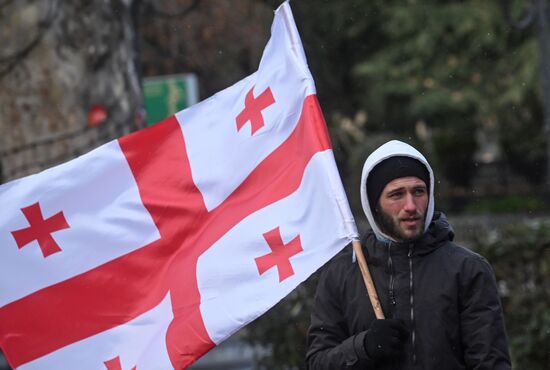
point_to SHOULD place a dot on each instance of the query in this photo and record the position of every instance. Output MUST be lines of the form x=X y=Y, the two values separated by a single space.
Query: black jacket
x=446 y=294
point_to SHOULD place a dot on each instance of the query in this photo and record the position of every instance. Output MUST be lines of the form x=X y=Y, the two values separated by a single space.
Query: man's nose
x=410 y=204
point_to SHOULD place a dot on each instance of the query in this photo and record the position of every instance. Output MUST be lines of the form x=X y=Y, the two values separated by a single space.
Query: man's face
x=402 y=208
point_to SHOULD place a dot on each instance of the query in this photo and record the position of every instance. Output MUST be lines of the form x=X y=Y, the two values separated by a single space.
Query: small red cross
x=40 y=229
x=280 y=254
x=253 y=109
x=114 y=364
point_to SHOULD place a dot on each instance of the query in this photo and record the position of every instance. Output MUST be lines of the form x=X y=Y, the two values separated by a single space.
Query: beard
x=391 y=227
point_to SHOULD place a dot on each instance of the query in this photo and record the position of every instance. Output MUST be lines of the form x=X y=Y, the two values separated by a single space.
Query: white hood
x=391 y=149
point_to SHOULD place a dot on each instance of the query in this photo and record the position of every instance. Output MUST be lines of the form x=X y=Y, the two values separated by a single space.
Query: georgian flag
x=148 y=251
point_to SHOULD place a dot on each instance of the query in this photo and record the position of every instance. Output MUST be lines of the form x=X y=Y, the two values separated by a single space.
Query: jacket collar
x=438 y=232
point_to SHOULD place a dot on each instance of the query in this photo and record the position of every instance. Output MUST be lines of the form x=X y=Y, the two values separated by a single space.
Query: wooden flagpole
x=367 y=278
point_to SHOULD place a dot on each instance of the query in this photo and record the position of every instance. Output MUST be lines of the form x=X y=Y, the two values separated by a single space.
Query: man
x=440 y=300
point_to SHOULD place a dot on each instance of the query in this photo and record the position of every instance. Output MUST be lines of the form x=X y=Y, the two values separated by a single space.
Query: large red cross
x=40 y=229
x=280 y=254
x=157 y=157
x=114 y=364
x=253 y=109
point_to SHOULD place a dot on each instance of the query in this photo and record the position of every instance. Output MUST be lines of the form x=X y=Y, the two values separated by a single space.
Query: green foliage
x=337 y=35
x=458 y=67
x=522 y=142
x=520 y=255
x=441 y=54
x=508 y=204
x=457 y=149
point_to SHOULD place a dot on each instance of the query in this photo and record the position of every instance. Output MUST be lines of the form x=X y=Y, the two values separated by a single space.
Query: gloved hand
x=385 y=338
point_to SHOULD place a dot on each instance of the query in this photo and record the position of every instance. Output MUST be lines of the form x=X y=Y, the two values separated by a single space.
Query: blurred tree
x=536 y=13
x=456 y=66
x=520 y=255
x=433 y=73
x=221 y=42
x=64 y=65
x=524 y=144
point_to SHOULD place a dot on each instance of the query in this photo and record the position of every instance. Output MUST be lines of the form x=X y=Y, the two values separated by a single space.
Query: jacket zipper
x=411 y=286
x=391 y=290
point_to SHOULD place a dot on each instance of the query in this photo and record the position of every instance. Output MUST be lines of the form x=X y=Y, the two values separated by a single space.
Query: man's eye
x=420 y=191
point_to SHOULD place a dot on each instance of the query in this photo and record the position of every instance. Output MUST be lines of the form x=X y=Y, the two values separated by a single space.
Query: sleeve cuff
x=359 y=346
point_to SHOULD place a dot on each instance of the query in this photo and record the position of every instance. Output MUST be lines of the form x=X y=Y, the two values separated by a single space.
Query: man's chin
x=411 y=235
x=399 y=231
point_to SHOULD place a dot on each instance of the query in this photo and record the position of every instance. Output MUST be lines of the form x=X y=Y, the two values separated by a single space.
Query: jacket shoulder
x=465 y=257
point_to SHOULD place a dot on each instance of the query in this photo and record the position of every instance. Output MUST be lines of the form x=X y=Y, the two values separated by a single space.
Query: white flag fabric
x=150 y=250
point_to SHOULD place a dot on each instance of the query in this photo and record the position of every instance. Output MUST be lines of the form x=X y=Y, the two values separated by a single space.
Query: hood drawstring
x=411 y=289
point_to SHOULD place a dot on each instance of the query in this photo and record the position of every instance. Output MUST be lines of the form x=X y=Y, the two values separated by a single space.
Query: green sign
x=166 y=95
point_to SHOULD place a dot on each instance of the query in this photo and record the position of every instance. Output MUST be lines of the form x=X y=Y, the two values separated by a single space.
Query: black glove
x=385 y=338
